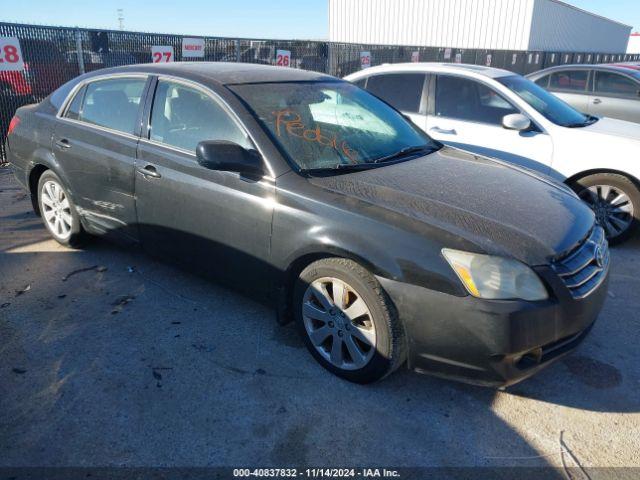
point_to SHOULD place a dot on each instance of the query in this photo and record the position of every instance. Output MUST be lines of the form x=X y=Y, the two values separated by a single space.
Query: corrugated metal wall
x=485 y=24
x=558 y=26
x=436 y=23
x=634 y=43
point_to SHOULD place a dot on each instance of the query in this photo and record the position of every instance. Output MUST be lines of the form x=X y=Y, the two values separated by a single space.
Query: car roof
x=434 y=67
x=224 y=73
x=585 y=66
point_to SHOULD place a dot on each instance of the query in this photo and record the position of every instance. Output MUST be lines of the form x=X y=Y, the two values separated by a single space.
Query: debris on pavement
x=19 y=371
x=121 y=302
x=97 y=268
x=23 y=290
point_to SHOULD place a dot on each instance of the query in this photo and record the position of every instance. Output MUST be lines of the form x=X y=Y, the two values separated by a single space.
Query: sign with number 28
x=10 y=54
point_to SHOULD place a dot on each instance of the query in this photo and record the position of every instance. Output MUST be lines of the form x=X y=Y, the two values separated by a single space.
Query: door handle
x=63 y=144
x=445 y=131
x=149 y=171
x=596 y=101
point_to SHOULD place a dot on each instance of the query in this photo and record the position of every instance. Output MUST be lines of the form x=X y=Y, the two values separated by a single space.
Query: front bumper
x=489 y=342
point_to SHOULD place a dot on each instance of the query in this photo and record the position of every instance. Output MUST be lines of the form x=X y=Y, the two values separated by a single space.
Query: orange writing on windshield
x=290 y=122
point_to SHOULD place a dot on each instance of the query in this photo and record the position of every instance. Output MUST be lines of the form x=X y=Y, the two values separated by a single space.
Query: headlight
x=498 y=278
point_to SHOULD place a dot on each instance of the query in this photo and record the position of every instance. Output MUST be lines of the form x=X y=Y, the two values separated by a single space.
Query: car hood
x=615 y=127
x=501 y=208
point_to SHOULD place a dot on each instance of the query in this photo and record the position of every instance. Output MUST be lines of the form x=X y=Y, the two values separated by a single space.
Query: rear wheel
x=58 y=211
x=348 y=322
x=615 y=200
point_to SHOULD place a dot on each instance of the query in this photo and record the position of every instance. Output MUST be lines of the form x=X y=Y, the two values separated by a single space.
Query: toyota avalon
x=386 y=247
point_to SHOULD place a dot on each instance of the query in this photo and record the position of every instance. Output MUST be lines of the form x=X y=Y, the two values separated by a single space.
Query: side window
x=571 y=80
x=608 y=83
x=402 y=90
x=113 y=103
x=543 y=81
x=361 y=83
x=183 y=117
x=75 y=107
x=463 y=99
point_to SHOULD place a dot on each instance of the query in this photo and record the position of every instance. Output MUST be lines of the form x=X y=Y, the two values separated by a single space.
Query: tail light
x=15 y=121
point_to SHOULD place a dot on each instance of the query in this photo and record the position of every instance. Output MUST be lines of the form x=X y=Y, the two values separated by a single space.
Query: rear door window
x=463 y=99
x=112 y=103
x=402 y=90
x=569 y=80
x=615 y=85
x=543 y=81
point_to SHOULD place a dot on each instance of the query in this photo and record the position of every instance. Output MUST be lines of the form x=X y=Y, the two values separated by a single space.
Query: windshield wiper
x=404 y=152
x=339 y=166
x=589 y=121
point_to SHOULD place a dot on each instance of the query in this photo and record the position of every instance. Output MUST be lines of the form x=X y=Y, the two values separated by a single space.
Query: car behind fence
x=35 y=60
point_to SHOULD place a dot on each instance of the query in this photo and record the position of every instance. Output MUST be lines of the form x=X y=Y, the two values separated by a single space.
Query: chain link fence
x=54 y=55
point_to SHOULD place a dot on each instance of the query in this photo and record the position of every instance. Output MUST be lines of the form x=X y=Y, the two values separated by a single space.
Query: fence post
x=238 y=57
x=79 y=51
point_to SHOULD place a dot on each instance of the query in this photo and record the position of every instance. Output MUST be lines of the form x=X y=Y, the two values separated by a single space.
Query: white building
x=634 y=43
x=546 y=25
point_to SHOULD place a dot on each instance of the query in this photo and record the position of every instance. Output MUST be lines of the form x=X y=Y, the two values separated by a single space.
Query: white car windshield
x=550 y=106
x=333 y=125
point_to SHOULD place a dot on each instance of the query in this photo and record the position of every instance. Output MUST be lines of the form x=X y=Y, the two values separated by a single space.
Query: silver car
x=600 y=90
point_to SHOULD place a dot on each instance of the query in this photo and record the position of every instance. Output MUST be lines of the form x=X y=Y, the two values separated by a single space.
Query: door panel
x=95 y=143
x=216 y=222
x=99 y=167
x=615 y=96
x=468 y=115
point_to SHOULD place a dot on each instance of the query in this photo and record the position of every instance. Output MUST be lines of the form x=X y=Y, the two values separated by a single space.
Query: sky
x=305 y=19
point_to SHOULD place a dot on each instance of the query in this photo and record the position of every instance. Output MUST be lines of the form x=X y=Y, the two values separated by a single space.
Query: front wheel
x=615 y=200
x=58 y=211
x=348 y=322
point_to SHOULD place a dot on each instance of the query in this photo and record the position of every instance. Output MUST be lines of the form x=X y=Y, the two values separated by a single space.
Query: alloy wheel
x=56 y=209
x=612 y=206
x=339 y=323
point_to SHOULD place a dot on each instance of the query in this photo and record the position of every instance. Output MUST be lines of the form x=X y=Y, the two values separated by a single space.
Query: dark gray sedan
x=601 y=90
x=384 y=246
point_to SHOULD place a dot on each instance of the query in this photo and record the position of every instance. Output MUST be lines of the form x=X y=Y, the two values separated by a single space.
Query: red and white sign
x=365 y=59
x=415 y=56
x=192 y=47
x=10 y=54
x=283 y=58
x=162 y=54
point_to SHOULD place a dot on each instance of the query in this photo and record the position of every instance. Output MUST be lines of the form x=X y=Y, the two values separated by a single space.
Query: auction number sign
x=193 y=48
x=365 y=59
x=10 y=54
x=161 y=54
x=283 y=58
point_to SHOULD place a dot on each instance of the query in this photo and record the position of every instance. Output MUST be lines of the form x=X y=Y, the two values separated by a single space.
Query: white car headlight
x=497 y=278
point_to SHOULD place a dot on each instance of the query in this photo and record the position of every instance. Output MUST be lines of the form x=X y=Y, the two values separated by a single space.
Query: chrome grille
x=584 y=269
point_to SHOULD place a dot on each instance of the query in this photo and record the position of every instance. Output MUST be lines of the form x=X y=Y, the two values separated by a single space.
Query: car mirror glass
x=516 y=121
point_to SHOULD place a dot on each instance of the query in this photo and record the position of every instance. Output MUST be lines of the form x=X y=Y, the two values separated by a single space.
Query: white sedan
x=501 y=114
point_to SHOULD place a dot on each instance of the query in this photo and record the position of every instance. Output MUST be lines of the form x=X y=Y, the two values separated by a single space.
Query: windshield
x=546 y=103
x=332 y=125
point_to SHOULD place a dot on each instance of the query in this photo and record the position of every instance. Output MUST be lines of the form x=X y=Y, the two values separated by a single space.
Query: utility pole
x=121 y=18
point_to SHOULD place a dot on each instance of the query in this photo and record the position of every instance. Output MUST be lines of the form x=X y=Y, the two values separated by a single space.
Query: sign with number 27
x=162 y=54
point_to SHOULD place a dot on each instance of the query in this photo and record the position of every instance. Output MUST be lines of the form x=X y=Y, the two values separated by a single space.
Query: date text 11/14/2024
x=317 y=473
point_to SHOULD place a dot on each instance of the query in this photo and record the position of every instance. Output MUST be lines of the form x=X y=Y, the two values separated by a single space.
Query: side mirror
x=516 y=121
x=228 y=157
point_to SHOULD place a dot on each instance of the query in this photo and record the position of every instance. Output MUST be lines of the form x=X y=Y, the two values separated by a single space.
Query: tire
x=615 y=199
x=377 y=333
x=58 y=212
